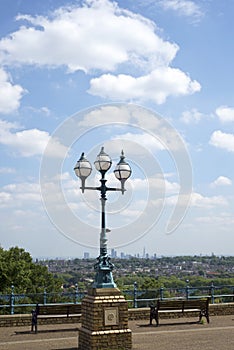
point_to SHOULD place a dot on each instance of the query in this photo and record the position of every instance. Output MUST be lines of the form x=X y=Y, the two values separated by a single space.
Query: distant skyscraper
x=86 y=255
x=113 y=253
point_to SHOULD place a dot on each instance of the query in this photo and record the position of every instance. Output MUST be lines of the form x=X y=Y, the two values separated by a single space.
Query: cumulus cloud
x=156 y=86
x=200 y=201
x=221 y=181
x=193 y=116
x=29 y=142
x=185 y=8
x=91 y=38
x=86 y=38
x=20 y=195
x=144 y=140
x=156 y=182
x=10 y=95
x=225 y=114
x=222 y=140
x=27 y=191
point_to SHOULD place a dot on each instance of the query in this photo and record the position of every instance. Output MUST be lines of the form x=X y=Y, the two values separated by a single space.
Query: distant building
x=86 y=255
x=113 y=253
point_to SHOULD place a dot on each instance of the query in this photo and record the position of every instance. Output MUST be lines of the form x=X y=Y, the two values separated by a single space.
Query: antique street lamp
x=83 y=169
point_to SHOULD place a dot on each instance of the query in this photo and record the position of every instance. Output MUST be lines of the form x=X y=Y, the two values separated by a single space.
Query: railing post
x=187 y=292
x=76 y=293
x=44 y=296
x=212 y=289
x=12 y=299
x=135 y=295
x=161 y=293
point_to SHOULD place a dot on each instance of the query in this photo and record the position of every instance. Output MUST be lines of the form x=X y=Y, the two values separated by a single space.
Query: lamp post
x=83 y=169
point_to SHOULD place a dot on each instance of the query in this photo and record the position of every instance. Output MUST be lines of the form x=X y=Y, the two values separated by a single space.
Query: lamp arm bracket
x=99 y=188
x=114 y=189
x=90 y=188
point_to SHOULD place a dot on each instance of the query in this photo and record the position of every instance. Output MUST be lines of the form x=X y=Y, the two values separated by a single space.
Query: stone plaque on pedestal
x=104 y=321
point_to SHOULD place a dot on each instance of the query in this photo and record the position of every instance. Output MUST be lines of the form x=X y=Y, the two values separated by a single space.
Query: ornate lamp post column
x=104 y=321
x=83 y=169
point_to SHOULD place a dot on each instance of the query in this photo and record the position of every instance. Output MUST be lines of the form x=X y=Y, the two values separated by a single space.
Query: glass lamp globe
x=83 y=169
x=103 y=161
x=122 y=171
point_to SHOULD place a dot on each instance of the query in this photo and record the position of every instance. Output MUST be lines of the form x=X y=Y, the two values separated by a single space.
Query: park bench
x=180 y=306
x=54 y=310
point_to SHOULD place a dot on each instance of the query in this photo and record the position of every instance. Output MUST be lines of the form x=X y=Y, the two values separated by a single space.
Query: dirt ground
x=178 y=334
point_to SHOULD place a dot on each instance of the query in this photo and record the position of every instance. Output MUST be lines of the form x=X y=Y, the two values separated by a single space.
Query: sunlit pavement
x=182 y=333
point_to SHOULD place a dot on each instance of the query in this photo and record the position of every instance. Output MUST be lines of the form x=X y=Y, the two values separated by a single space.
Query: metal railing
x=217 y=294
x=23 y=303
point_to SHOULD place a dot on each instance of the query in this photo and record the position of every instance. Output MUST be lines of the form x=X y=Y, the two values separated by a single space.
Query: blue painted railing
x=217 y=294
x=13 y=302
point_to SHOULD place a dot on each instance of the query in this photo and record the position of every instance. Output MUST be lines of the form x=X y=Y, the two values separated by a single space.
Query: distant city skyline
x=114 y=254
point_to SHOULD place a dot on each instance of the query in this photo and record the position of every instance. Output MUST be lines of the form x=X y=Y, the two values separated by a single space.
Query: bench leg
x=157 y=320
x=34 y=326
x=151 y=320
x=206 y=315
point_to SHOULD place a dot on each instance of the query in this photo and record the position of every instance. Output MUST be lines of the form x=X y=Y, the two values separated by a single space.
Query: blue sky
x=154 y=78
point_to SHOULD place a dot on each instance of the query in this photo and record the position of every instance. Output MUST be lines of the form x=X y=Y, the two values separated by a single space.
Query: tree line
x=17 y=268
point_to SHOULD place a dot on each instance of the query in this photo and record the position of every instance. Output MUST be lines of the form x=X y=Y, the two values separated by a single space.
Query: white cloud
x=185 y=8
x=30 y=142
x=199 y=201
x=91 y=38
x=225 y=114
x=10 y=95
x=133 y=115
x=221 y=181
x=193 y=116
x=223 y=140
x=86 y=38
x=42 y=110
x=157 y=183
x=20 y=195
x=156 y=86
x=225 y=220
x=144 y=140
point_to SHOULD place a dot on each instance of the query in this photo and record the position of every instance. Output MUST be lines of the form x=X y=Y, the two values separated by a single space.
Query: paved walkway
x=179 y=334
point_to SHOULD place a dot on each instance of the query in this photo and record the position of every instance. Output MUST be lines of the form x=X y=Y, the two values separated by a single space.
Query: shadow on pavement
x=48 y=331
x=167 y=324
x=65 y=349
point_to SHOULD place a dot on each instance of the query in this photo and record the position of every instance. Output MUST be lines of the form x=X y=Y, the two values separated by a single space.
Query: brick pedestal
x=104 y=321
